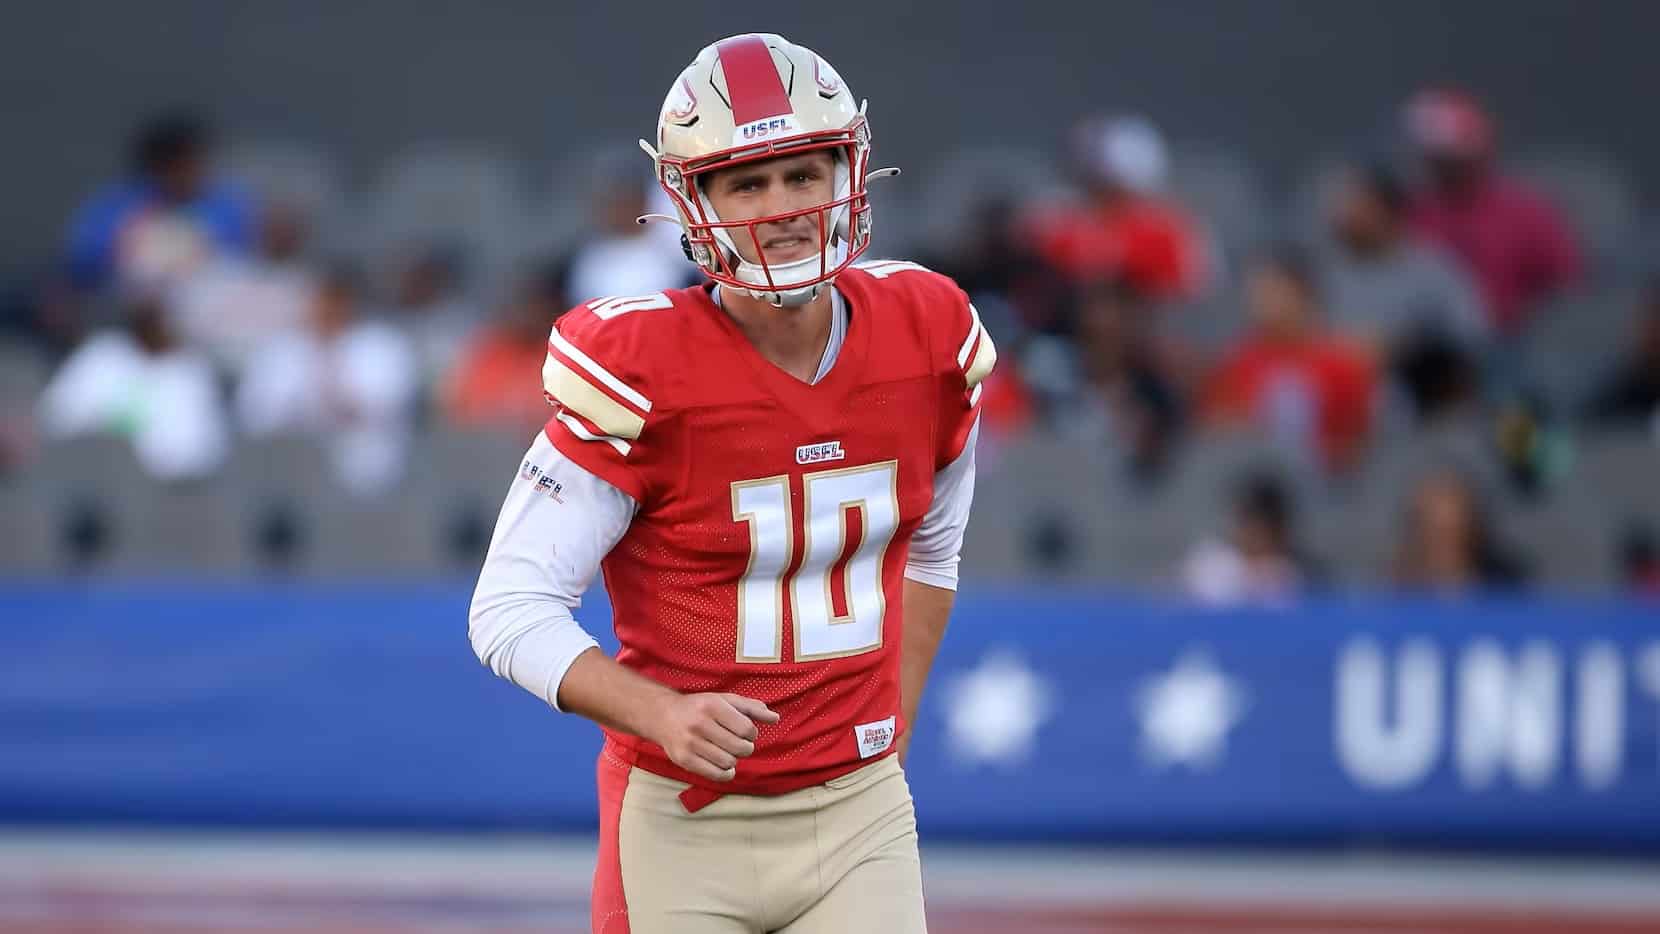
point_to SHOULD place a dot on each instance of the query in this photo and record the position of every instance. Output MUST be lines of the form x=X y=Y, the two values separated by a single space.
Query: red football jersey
x=768 y=550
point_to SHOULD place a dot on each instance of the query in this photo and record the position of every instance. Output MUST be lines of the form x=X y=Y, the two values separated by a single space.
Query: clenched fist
x=706 y=734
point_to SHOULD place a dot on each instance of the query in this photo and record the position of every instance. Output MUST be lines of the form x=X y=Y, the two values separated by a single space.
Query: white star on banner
x=1186 y=713
x=993 y=710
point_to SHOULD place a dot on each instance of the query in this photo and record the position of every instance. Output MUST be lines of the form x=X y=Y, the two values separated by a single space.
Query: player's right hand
x=706 y=734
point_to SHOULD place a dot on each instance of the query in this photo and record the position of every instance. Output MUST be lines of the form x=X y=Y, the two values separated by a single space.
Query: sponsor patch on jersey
x=530 y=471
x=874 y=738
x=762 y=130
x=819 y=453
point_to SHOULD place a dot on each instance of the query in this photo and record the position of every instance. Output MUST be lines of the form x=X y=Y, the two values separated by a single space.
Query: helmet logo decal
x=753 y=87
x=829 y=83
x=681 y=104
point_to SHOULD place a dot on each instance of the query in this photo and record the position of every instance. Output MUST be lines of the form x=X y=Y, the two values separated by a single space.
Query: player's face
x=775 y=186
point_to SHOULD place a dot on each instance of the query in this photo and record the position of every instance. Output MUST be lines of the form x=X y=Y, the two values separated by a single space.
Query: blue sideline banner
x=1049 y=715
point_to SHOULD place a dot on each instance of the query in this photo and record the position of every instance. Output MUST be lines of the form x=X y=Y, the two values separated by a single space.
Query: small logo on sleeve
x=544 y=483
x=874 y=738
x=819 y=453
x=547 y=485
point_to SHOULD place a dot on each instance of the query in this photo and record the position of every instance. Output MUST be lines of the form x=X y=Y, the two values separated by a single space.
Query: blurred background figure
x=616 y=255
x=1290 y=377
x=497 y=381
x=166 y=220
x=1011 y=284
x=1128 y=393
x=1259 y=560
x=345 y=379
x=1406 y=301
x=1448 y=543
x=1513 y=242
x=1630 y=395
x=137 y=381
x=1124 y=229
x=1382 y=284
x=238 y=303
x=429 y=304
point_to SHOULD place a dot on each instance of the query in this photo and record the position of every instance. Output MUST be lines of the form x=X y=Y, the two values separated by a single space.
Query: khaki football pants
x=837 y=858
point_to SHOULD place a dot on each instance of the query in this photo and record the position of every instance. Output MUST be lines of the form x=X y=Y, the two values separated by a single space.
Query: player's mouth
x=785 y=248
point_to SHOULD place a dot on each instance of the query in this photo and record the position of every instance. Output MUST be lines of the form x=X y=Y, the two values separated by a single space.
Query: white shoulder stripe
x=600 y=373
x=968 y=342
x=577 y=394
x=578 y=429
x=985 y=357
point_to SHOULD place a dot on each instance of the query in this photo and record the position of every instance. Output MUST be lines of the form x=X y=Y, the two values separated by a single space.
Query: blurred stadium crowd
x=1431 y=366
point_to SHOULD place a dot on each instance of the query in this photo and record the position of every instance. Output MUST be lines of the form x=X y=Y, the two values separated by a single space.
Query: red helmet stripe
x=752 y=83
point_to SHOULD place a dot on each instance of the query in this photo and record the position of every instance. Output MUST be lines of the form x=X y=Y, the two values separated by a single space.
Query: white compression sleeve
x=939 y=539
x=557 y=523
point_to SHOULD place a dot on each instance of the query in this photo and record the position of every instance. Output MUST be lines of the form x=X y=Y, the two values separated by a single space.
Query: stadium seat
x=1210 y=324
x=445 y=193
x=295 y=173
x=28 y=543
x=1221 y=190
x=1209 y=467
x=305 y=523
x=23 y=374
x=1622 y=469
x=1566 y=335
x=1591 y=189
x=108 y=514
x=1310 y=199
x=969 y=176
x=473 y=470
x=1567 y=539
x=1041 y=511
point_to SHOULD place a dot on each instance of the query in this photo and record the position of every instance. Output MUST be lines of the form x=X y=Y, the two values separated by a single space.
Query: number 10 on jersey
x=835 y=596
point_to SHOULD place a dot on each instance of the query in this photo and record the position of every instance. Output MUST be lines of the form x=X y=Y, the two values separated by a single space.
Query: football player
x=773 y=471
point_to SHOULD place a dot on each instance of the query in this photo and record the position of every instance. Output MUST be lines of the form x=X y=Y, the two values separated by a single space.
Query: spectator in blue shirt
x=165 y=219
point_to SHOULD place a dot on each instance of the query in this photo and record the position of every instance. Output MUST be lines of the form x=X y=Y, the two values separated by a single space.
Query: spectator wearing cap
x=1511 y=240
x=165 y=220
x=1290 y=377
x=1631 y=394
x=1126 y=231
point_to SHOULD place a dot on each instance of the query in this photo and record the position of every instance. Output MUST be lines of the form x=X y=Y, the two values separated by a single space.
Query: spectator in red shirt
x=1512 y=241
x=1125 y=232
x=497 y=380
x=1290 y=377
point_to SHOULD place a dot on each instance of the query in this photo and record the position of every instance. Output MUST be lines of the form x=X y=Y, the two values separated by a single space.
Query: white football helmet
x=754 y=97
